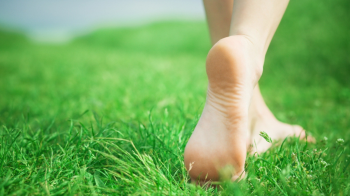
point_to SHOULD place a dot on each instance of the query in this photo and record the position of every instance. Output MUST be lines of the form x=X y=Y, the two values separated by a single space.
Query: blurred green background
x=123 y=73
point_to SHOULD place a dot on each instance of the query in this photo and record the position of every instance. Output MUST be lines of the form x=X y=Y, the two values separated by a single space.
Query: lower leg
x=234 y=66
x=258 y=20
x=260 y=28
x=261 y=118
x=219 y=15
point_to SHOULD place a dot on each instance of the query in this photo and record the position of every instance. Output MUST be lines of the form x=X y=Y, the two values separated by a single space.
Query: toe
x=300 y=132
x=239 y=176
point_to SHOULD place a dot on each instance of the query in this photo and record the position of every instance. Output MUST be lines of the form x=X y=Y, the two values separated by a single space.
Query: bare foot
x=262 y=119
x=219 y=140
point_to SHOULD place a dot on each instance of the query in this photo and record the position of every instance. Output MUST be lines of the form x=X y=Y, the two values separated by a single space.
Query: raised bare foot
x=220 y=138
x=262 y=119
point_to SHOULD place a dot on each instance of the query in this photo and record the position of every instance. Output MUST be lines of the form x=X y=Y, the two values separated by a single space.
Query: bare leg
x=219 y=15
x=234 y=66
x=260 y=117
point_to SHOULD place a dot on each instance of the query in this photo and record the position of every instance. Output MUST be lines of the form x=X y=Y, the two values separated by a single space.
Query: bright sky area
x=59 y=21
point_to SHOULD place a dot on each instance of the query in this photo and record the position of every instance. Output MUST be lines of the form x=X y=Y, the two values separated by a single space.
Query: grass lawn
x=110 y=113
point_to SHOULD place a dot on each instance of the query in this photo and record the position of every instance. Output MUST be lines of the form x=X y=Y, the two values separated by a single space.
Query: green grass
x=111 y=112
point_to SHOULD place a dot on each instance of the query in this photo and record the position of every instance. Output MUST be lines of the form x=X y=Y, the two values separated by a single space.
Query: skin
x=235 y=112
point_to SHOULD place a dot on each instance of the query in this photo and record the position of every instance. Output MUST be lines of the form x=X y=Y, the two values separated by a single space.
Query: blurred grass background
x=123 y=74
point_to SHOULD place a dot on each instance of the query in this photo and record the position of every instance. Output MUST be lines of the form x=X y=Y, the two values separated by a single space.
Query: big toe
x=301 y=134
x=239 y=176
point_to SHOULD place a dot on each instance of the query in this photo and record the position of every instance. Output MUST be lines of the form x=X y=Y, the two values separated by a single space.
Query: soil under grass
x=111 y=112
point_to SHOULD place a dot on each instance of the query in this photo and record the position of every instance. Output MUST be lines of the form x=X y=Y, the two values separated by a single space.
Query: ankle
x=256 y=51
x=260 y=40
